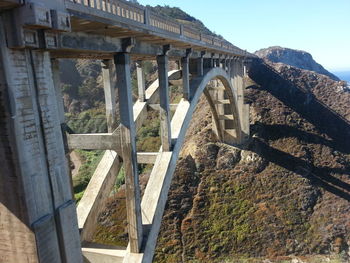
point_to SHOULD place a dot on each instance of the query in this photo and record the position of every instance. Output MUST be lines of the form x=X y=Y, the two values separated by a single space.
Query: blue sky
x=320 y=27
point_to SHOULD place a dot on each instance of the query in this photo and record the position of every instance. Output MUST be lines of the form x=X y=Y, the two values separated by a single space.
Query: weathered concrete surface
x=101 y=255
x=17 y=240
x=43 y=170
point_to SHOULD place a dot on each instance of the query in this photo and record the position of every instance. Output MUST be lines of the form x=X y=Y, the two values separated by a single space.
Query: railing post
x=147 y=16
x=128 y=145
x=162 y=61
x=108 y=73
x=140 y=81
x=186 y=74
x=181 y=30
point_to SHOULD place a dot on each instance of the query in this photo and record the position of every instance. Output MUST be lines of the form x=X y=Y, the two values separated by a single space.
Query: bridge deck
x=119 y=18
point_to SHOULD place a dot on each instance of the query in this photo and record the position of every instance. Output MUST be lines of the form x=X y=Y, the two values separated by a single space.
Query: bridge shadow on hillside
x=277 y=131
x=303 y=102
x=318 y=176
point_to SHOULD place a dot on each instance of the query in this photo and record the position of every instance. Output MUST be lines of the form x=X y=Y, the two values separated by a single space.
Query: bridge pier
x=38 y=216
x=237 y=78
x=108 y=74
x=185 y=77
x=128 y=146
x=165 y=128
x=140 y=81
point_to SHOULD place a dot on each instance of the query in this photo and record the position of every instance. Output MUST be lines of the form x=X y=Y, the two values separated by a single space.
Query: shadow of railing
x=318 y=176
x=302 y=101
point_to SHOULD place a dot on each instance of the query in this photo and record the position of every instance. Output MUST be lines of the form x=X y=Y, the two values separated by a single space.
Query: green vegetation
x=120 y=179
x=90 y=160
x=89 y=121
x=178 y=14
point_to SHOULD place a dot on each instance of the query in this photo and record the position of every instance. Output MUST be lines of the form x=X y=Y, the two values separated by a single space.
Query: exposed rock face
x=295 y=58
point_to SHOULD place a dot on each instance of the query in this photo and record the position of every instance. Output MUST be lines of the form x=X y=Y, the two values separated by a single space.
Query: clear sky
x=320 y=27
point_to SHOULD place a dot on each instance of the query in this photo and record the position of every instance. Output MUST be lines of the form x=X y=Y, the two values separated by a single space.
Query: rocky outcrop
x=295 y=58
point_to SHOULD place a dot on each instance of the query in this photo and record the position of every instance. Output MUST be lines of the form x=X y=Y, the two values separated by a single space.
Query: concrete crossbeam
x=147 y=157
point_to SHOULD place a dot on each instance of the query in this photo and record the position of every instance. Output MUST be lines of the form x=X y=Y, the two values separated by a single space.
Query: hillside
x=295 y=58
x=183 y=17
x=285 y=194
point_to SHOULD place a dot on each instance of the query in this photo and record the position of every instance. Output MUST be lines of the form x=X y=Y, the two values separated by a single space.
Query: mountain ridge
x=293 y=57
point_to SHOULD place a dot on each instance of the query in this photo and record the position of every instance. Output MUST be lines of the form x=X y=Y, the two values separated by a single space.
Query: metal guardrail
x=144 y=15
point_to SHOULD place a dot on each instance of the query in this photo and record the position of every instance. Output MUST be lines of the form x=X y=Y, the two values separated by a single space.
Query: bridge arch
x=200 y=86
x=155 y=196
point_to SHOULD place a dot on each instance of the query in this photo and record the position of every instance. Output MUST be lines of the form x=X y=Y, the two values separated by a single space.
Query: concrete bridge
x=39 y=220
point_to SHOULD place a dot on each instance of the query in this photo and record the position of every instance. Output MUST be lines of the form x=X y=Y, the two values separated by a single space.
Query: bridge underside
x=39 y=218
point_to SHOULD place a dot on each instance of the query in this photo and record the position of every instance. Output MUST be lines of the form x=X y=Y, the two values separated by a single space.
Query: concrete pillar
x=243 y=109
x=128 y=145
x=40 y=222
x=58 y=92
x=164 y=102
x=108 y=73
x=185 y=77
x=200 y=66
x=141 y=86
x=224 y=66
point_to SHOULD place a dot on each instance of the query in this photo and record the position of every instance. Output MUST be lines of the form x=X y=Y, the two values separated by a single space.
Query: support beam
x=147 y=157
x=172 y=107
x=218 y=130
x=97 y=191
x=162 y=61
x=108 y=73
x=140 y=81
x=200 y=67
x=128 y=145
x=229 y=66
x=95 y=141
x=239 y=87
x=226 y=117
x=186 y=75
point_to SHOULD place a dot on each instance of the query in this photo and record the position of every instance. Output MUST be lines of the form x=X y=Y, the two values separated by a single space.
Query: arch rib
x=156 y=192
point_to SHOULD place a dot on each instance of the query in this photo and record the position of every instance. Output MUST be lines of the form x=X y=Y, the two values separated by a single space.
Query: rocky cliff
x=295 y=58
